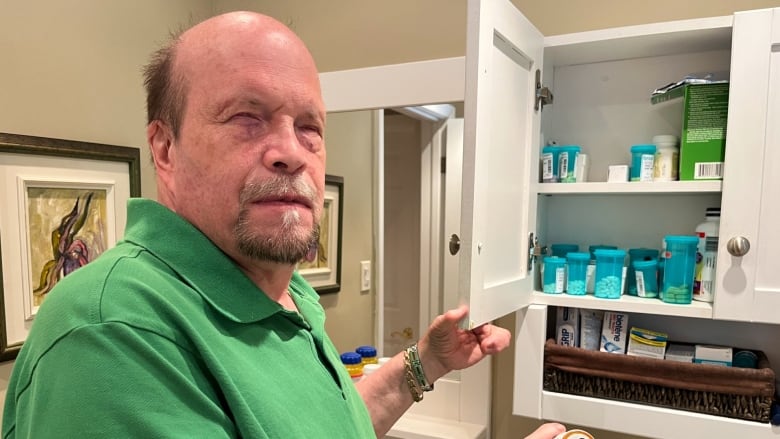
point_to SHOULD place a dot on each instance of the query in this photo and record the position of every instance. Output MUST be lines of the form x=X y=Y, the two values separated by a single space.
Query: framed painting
x=63 y=205
x=323 y=268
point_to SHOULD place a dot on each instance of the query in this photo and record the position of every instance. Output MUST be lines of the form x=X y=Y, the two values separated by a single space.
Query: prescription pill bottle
x=667 y=158
x=609 y=273
x=567 y=163
x=354 y=364
x=679 y=266
x=554 y=274
x=561 y=250
x=368 y=369
x=645 y=273
x=576 y=271
x=549 y=159
x=367 y=354
x=637 y=254
x=642 y=160
x=590 y=274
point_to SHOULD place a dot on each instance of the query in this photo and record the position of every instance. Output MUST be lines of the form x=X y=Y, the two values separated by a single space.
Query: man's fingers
x=547 y=431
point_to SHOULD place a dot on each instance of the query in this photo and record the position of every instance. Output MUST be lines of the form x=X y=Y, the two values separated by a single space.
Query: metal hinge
x=535 y=251
x=543 y=94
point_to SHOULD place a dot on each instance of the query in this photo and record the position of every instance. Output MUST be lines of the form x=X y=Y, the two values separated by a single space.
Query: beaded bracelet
x=414 y=387
x=416 y=366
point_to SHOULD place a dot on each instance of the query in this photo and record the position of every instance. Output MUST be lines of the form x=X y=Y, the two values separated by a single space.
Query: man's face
x=250 y=157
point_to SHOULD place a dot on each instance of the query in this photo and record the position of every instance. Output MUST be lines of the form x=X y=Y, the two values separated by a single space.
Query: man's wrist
x=415 y=365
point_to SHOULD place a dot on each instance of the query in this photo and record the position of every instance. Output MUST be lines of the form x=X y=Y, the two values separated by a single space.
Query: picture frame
x=63 y=205
x=324 y=272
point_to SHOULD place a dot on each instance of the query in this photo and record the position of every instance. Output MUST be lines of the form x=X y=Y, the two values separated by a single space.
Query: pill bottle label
x=666 y=165
x=646 y=171
x=559 y=279
x=548 y=173
x=640 y=284
x=563 y=169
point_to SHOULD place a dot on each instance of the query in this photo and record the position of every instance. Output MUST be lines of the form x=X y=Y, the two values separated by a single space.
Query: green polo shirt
x=164 y=337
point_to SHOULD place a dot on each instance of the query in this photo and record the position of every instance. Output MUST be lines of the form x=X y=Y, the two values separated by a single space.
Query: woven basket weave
x=662 y=383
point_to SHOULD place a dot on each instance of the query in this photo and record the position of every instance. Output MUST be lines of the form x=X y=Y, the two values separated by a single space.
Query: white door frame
x=466 y=400
x=376 y=88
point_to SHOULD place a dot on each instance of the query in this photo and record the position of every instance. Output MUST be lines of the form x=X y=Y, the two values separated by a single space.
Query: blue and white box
x=614 y=332
x=567 y=327
x=710 y=354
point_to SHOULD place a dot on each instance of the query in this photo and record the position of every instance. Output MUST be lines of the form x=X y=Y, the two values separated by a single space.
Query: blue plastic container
x=567 y=161
x=590 y=277
x=634 y=255
x=642 y=161
x=592 y=249
x=550 y=155
x=554 y=275
x=609 y=273
x=561 y=250
x=576 y=269
x=645 y=274
x=679 y=268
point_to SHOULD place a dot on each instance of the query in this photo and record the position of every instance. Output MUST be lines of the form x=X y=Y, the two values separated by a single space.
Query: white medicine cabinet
x=601 y=83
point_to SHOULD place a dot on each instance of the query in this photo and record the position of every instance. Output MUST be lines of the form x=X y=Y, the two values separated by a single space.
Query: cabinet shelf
x=670 y=187
x=663 y=422
x=626 y=304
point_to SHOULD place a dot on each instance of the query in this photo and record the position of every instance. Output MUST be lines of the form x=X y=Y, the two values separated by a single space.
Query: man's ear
x=160 y=139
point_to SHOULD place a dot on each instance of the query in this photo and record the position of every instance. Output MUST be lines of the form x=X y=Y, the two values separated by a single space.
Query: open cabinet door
x=748 y=286
x=503 y=53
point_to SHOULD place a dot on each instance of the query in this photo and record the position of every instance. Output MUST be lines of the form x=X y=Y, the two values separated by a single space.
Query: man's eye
x=312 y=129
x=246 y=117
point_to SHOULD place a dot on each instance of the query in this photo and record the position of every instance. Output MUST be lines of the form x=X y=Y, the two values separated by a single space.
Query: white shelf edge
x=640 y=30
x=625 y=304
x=670 y=187
x=640 y=419
x=644 y=40
x=411 y=426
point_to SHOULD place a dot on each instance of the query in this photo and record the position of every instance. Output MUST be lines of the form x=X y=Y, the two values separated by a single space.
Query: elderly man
x=196 y=324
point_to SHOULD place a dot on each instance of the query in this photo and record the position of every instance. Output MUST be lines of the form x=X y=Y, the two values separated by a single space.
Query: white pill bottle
x=706 y=256
x=667 y=158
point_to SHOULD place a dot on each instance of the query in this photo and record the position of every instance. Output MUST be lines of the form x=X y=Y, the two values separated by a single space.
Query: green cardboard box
x=703 y=139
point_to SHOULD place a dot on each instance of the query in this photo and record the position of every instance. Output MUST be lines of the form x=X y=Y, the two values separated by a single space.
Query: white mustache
x=280 y=187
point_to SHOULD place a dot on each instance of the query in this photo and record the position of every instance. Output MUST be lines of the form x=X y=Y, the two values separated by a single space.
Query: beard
x=288 y=243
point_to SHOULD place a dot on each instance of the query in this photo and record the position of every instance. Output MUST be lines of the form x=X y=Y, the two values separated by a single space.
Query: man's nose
x=284 y=151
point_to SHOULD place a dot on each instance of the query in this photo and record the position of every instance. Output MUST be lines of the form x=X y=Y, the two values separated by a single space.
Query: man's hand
x=547 y=431
x=446 y=347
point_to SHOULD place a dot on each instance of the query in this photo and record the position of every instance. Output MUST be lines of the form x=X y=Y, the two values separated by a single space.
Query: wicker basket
x=723 y=391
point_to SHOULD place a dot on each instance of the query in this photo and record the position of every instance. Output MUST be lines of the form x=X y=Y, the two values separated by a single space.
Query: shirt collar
x=197 y=260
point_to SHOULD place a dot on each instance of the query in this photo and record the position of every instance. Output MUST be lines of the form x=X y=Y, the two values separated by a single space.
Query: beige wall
x=350 y=313
x=345 y=34
x=71 y=70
